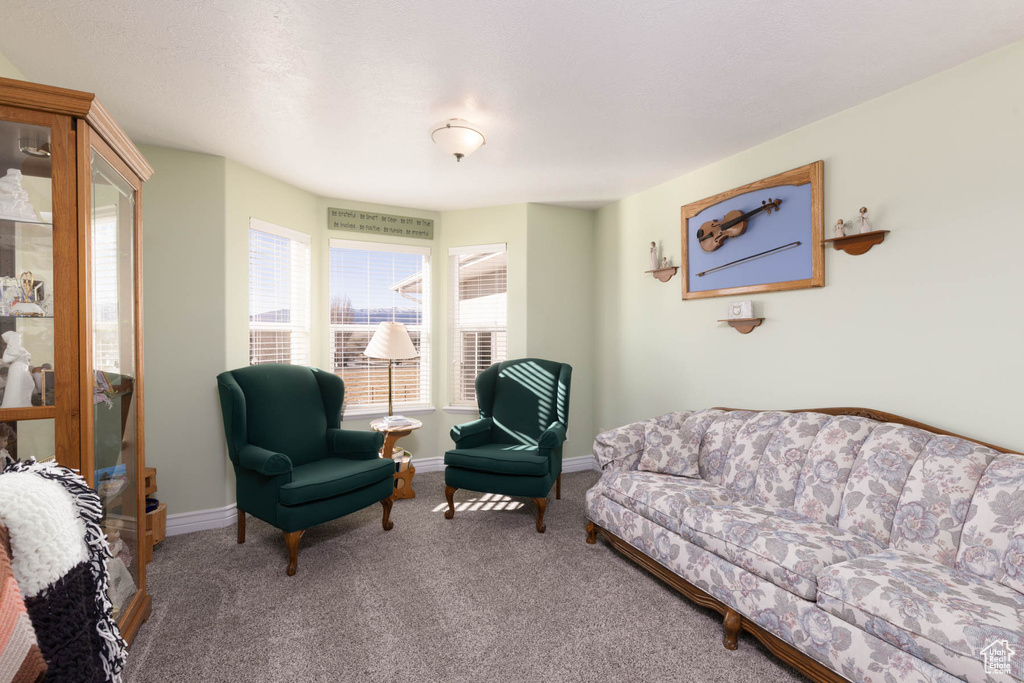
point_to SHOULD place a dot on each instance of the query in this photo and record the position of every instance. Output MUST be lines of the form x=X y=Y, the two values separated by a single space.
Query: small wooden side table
x=403 y=478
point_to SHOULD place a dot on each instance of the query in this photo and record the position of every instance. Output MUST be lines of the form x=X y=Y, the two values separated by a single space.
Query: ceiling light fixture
x=457 y=137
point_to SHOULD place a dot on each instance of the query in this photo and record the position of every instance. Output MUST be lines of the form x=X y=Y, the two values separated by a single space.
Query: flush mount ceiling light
x=457 y=137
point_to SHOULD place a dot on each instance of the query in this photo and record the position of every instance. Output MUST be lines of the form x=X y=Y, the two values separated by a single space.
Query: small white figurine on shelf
x=18 y=392
x=14 y=202
x=664 y=262
x=865 y=224
x=654 y=256
x=840 y=229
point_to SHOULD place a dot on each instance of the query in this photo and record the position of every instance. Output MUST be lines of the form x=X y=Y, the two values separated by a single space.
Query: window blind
x=106 y=352
x=279 y=294
x=478 y=315
x=373 y=283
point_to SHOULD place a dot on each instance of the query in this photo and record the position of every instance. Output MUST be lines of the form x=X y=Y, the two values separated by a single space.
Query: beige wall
x=183 y=280
x=925 y=325
x=8 y=70
x=560 y=310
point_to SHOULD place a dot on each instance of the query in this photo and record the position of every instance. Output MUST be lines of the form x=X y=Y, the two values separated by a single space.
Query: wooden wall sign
x=763 y=237
x=370 y=223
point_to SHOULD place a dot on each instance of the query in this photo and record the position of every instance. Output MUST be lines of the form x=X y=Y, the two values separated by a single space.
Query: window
x=106 y=353
x=278 y=294
x=373 y=283
x=478 y=317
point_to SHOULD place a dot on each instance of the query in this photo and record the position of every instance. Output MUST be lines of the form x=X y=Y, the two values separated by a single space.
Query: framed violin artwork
x=762 y=237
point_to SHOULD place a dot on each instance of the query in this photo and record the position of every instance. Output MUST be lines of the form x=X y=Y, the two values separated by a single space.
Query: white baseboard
x=218 y=518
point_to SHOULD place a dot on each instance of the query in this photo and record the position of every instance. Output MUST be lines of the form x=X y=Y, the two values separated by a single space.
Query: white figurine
x=664 y=261
x=654 y=256
x=865 y=224
x=18 y=392
x=14 y=202
x=840 y=229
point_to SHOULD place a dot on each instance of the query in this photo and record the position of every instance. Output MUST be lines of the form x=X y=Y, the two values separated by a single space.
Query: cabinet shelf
x=10 y=219
x=32 y=413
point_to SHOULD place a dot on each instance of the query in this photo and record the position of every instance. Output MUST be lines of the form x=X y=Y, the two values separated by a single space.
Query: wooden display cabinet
x=71 y=296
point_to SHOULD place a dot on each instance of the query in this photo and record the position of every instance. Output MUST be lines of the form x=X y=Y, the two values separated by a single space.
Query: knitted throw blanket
x=20 y=659
x=59 y=558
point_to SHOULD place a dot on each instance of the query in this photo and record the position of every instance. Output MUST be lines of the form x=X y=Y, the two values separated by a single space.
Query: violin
x=712 y=234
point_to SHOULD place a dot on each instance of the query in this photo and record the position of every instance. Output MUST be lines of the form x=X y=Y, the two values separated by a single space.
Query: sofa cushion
x=661 y=498
x=819 y=491
x=784 y=457
x=500 y=459
x=1013 y=562
x=717 y=442
x=942 y=615
x=332 y=477
x=672 y=449
x=934 y=503
x=877 y=479
x=996 y=510
x=744 y=459
x=780 y=546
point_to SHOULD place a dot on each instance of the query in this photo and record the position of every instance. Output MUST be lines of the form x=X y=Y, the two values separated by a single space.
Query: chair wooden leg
x=291 y=539
x=387 y=503
x=733 y=622
x=542 y=504
x=591 y=533
x=241 y=526
x=558 y=487
x=449 y=493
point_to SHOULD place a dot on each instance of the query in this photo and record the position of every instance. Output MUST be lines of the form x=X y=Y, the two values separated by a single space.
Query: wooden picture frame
x=800 y=232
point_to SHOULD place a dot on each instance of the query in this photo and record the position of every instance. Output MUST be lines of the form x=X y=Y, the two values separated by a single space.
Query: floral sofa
x=854 y=548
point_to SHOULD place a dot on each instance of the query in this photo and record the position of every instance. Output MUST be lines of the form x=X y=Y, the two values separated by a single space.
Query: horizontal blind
x=106 y=352
x=373 y=283
x=279 y=294
x=478 y=315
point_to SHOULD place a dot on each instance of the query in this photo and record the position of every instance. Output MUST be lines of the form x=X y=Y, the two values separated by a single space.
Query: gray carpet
x=481 y=598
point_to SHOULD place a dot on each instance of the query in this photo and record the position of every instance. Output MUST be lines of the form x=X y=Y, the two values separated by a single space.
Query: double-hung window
x=371 y=283
x=279 y=294
x=478 y=315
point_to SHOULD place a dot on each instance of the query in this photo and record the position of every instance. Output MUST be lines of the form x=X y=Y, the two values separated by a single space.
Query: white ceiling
x=583 y=101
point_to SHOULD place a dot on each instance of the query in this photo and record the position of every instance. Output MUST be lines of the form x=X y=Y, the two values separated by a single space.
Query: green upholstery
x=294 y=467
x=515 y=448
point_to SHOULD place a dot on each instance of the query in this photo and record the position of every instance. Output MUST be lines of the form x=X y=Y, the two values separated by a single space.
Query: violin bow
x=740 y=261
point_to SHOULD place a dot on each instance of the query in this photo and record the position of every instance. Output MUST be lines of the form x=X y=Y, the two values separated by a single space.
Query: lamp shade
x=457 y=137
x=391 y=341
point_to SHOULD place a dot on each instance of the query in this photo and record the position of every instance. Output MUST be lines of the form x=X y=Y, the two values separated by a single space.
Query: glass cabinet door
x=27 y=382
x=113 y=343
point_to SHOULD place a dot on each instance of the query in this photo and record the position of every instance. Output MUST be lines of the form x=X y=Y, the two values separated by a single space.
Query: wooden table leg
x=403 y=478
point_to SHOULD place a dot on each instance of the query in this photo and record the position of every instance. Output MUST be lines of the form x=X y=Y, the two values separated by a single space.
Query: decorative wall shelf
x=743 y=325
x=858 y=244
x=664 y=274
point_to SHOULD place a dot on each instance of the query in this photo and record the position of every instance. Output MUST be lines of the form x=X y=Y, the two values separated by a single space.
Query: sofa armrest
x=354 y=444
x=621 y=447
x=553 y=436
x=472 y=434
x=264 y=462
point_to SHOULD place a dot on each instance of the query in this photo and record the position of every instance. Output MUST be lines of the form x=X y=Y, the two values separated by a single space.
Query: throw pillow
x=675 y=451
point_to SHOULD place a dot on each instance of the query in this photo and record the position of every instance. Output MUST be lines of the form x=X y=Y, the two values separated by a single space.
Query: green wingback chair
x=294 y=467
x=515 y=448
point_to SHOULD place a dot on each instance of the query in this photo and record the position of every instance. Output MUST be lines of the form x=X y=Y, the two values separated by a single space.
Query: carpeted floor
x=481 y=598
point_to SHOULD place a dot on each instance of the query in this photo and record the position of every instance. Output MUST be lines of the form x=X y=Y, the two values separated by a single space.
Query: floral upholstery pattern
x=846 y=649
x=613 y=447
x=827 y=467
x=674 y=450
x=717 y=442
x=996 y=510
x=744 y=459
x=662 y=499
x=877 y=479
x=784 y=457
x=1013 y=562
x=788 y=549
x=941 y=615
x=935 y=501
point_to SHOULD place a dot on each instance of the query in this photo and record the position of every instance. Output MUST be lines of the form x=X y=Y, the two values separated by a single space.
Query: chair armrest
x=472 y=434
x=354 y=444
x=553 y=436
x=264 y=462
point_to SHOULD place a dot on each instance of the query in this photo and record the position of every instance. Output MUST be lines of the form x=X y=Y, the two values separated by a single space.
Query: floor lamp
x=391 y=342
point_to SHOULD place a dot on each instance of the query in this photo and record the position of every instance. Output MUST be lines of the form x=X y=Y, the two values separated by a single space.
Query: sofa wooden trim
x=882 y=416
x=733 y=621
